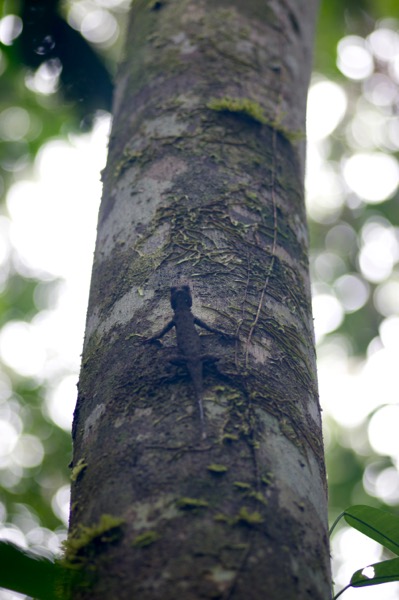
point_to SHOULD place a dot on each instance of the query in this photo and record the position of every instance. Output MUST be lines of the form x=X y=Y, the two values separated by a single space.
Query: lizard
x=188 y=340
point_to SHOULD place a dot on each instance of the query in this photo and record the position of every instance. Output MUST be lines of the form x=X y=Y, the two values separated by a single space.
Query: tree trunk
x=204 y=185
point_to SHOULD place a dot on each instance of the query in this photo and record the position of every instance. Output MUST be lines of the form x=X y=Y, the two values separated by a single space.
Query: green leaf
x=382 y=572
x=377 y=524
x=26 y=573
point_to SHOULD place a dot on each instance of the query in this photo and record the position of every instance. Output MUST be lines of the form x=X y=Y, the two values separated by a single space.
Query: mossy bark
x=204 y=183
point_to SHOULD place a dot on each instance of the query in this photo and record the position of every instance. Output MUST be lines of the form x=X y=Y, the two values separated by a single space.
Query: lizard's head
x=180 y=296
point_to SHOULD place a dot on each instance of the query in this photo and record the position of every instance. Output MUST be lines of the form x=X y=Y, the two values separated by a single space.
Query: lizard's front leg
x=161 y=333
x=207 y=327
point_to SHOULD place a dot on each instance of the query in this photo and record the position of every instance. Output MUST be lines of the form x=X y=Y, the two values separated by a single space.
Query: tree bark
x=204 y=184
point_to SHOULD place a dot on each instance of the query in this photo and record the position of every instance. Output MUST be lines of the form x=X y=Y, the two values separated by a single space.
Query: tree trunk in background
x=204 y=183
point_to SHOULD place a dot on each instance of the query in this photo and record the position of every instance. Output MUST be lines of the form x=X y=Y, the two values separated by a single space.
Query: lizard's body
x=188 y=340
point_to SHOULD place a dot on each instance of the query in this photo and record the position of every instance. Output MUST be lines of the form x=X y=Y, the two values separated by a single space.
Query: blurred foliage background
x=57 y=61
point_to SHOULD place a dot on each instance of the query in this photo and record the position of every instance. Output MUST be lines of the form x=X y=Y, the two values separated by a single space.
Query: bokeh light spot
x=389 y=333
x=324 y=195
x=383 y=431
x=10 y=29
x=368 y=129
x=354 y=59
x=328 y=265
x=14 y=123
x=45 y=80
x=380 y=90
x=61 y=402
x=328 y=314
x=352 y=292
x=100 y=27
x=387 y=486
x=28 y=451
x=372 y=176
x=386 y=297
x=384 y=43
x=21 y=348
x=8 y=439
x=376 y=261
x=60 y=503
x=326 y=108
